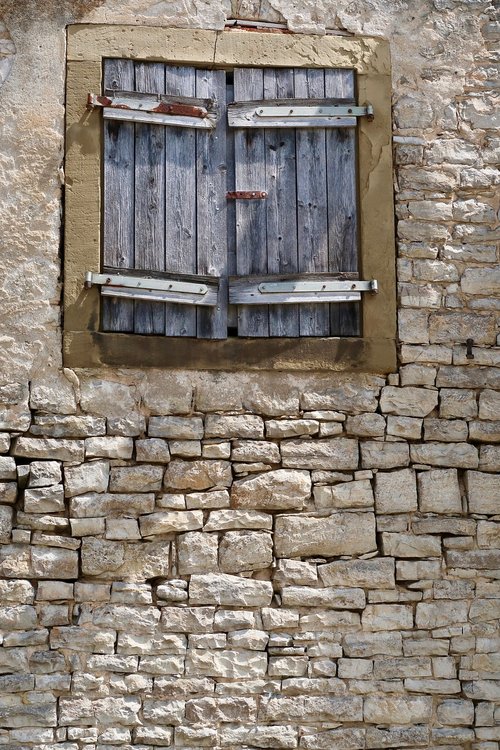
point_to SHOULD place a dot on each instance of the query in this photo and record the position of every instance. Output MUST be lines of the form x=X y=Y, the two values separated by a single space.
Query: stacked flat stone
x=314 y=567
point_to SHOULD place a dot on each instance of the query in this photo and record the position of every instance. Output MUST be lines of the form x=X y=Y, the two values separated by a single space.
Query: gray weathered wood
x=211 y=204
x=180 y=201
x=312 y=216
x=118 y=198
x=342 y=203
x=281 y=202
x=293 y=289
x=251 y=229
x=305 y=112
x=149 y=198
x=232 y=310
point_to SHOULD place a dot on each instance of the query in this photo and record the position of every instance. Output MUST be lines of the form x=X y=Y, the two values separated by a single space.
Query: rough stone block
x=446 y=430
x=409 y=709
x=208 y=500
x=140 y=478
x=44 y=499
x=50 y=562
x=371 y=574
x=176 y=428
x=197 y=475
x=357 y=494
x=365 y=425
x=245 y=550
x=152 y=450
x=275 y=490
x=439 y=491
x=223 y=520
x=387 y=617
x=288 y=428
x=109 y=447
x=460 y=455
x=226 y=664
x=197 y=553
x=49 y=448
x=132 y=562
x=173 y=522
x=8 y=469
x=247 y=426
x=395 y=491
x=346 y=738
x=105 y=504
x=187 y=619
x=89 y=477
x=255 y=450
x=8 y=492
x=408 y=401
x=229 y=590
x=6 y=520
x=457 y=402
x=72 y=426
x=334 y=453
x=397 y=737
x=330 y=597
x=336 y=534
x=483 y=492
x=489 y=405
x=378 y=455
x=350 y=395
x=309 y=709
x=434 y=615
x=410 y=545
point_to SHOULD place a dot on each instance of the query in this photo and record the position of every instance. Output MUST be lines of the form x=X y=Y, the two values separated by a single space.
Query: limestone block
x=176 y=428
x=229 y=590
x=410 y=545
x=167 y=392
x=122 y=528
x=195 y=737
x=346 y=738
x=255 y=640
x=329 y=597
x=153 y=736
x=8 y=468
x=227 y=664
x=129 y=425
x=124 y=562
x=171 y=501
x=387 y=617
x=260 y=736
x=277 y=619
x=44 y=473
x=460 y=455
x=483 y=281
x=185 y=448
x=366 y=425
x=481 y=559
x=17 y=617
x=174 y=590
x=109 y=447
x=87 y=526
x=418 y=570
x=247 y=426
x=445 y=328
x=447 y=430
x=105 y=504
x=214 y=499
x=44 y=499
x=216 y=450
x=371 y=574
x=485 y=432
x=408 y=401
x=336 y=534
x=395 y=491
x=89 y=477
x=197 y=553
x=455 y=711
x=159 y=643
x=35 y=715
x=8 y=492
x=468 y=377
x=334 y=453
x=311 y=709
x=350 y=395
x=397 y=737
x=139 y=478
x=132 y=619
x=275 y=490
x=163 y=665
x=330 y=429
x=439 y=491
x=436 y=615
x=295 y=572
x=197 y=475
x=482 y=690
x=245 y=550
x=152 y=450
x=357 y=494
x=413 y=326
x=377 y=455
x=255 y=450
x=49 y=448
x=483 y=492
x=222 y=520
x=488 y=535
x=16 y=592
x=187 y=619
x=409 y=709
x=400 y=667
x=489 y=405
x=71 y=426
x=171 y=522
x=53 y=393
x=6 y=520
x=287 y=428
x=106 y=397
x=14 y=416
x=444 y=687
x=51 y=562
x=227 y=620
x=489 y=457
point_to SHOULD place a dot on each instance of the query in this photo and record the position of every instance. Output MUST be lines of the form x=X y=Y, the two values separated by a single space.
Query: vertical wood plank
x=180 y=201
x=251 y=228
x=342 y=203
x=149 y=198
x=232 y=310
x=211 y=203
x=312 y=214
x=118 y=197
x=281 y=203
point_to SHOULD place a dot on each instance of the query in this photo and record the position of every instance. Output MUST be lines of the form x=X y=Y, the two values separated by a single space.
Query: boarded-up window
x=263 y=202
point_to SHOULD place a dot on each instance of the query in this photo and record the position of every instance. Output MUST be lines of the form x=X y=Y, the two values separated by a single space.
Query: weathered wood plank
x=180 y=201
x=251 y=229
x=293 y=289
x=281 y=202
x=292 y=113
x=342 y=203
x=118 y=198
x=149 y=198
x=211 y=204
x=312 y=215
x=232 y=310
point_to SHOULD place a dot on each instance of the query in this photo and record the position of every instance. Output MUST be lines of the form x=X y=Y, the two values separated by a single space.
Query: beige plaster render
x=83 y=344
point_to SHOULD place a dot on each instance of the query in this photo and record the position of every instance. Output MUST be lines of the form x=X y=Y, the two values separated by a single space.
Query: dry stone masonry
x=245 y=561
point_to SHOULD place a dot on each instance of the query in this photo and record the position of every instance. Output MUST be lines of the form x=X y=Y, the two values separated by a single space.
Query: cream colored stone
x=408 y=401
x=197 y=475
x=376 y=574
x=229 y=590
x=357 y=494
x=483 y=492
x=245 y=550
x=395 y=491
x=336 y=534
x=276 y=490
x=334 y=453
x=489 y=405
x=439 y=491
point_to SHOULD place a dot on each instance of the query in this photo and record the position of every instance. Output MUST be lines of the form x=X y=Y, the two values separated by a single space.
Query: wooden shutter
x=308 y=223
x=164 y=201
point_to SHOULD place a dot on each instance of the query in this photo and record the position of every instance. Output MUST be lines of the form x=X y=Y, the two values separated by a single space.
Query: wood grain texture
x=211 y=204
x=251 y=223
x=180 y=201
x=342 y=203
x=118 y=201
x=312 y=214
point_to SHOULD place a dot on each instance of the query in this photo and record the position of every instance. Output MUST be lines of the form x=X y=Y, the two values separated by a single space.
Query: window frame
x=84 y=345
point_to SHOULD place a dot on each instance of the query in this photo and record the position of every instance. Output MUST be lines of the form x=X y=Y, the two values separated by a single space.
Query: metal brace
x=154 y=290
x=331 y=110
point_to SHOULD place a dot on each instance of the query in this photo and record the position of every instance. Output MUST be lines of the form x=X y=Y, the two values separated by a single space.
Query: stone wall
x=266 y=560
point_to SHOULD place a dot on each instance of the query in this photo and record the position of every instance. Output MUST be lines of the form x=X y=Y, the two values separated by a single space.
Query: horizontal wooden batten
x=296 y=113
x=271 y=290
x=186 y=291
x=159 y=109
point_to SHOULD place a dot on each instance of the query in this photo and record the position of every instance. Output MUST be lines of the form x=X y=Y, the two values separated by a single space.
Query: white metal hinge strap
x=158 y=109
x=277 y=287
x=161 y=290
x=248 y=292
x=296 y=114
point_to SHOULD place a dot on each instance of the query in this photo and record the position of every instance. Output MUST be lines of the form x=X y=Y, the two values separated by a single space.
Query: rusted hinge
x=245 y=195
x=155 y=108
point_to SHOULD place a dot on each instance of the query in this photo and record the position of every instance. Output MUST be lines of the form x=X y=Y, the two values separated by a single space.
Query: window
x=244 y=209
